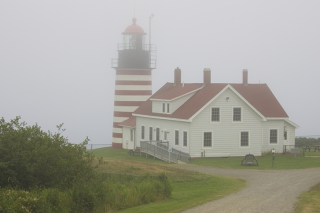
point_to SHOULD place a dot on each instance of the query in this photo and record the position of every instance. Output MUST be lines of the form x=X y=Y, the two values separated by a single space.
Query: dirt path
x=267 y=191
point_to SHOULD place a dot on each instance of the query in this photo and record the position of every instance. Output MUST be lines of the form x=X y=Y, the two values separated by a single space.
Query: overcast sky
x=55 y=56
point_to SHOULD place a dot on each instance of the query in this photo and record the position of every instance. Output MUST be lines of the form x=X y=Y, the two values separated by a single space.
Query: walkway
x=267 y=190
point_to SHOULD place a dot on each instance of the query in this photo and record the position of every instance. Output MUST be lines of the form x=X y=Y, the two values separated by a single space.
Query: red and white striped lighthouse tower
x=133 y=84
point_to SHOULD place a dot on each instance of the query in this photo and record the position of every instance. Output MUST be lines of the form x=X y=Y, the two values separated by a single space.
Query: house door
x=286 y=138
x=131 y=141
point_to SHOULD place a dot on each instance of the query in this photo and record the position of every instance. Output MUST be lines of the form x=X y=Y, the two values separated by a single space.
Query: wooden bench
x=249 y=161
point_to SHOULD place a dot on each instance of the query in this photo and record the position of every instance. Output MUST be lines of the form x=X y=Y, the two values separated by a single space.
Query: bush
x=30 y=157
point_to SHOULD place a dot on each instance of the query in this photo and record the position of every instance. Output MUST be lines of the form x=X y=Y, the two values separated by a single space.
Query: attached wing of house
x=179 y=108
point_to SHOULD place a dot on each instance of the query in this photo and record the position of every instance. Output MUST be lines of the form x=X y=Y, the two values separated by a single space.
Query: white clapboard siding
x=170 y=126
x=273 y=124
x=157 y=106
x=226 y=133
x=291 y=133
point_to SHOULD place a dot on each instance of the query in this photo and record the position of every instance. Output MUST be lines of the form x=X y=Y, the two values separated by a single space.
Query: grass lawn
x=309 y=201
x=265 y=162
x=189 y=188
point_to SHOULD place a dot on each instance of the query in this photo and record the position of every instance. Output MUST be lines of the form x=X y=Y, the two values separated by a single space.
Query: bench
x=249 y=161
x=131 y=152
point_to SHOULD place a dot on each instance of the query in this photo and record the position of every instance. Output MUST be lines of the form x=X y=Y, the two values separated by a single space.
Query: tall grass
x=104 y=194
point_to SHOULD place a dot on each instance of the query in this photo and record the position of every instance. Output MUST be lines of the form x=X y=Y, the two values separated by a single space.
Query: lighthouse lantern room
x=133 y=84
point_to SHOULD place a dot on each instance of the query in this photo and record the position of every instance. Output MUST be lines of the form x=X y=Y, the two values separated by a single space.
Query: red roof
x=129 y=122
x=177 y=91
x=134 y=28
x=258 y=95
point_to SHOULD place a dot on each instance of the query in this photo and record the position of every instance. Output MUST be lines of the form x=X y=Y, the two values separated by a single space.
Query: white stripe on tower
x=132 y=88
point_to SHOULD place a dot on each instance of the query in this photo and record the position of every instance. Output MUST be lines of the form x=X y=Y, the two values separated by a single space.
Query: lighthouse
x=133 y=83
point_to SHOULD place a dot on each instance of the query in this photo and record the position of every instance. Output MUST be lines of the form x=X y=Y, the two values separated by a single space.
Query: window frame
x=270 y=136
x=165 y=135
x=240 y=146
x=241 y=116
x=187 y=141
x=151 y=133
x=202 y=141
x=211 y=115
x=176 y=130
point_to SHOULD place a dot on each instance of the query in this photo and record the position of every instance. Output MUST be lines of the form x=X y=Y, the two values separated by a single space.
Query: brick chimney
x=177 y=76
x=207 y=76
x=245 y=77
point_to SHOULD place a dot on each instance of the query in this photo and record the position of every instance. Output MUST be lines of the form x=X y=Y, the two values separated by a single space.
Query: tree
x=30 y=157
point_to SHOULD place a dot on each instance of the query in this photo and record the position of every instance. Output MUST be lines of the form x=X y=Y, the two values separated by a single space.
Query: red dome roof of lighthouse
x=134 y=28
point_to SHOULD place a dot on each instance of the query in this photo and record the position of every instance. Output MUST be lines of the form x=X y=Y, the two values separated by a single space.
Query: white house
x=211 y=119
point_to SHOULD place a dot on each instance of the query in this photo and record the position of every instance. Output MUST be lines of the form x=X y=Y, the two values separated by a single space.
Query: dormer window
x=163 y=107
x=168 y=108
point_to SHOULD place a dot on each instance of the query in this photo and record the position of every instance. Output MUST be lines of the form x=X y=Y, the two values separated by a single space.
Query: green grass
x=189 y=194
x=309 y=202
x=189 y=188
x=281 y=162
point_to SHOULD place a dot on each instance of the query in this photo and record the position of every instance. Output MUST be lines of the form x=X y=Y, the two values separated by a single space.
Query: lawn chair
x=249 y=161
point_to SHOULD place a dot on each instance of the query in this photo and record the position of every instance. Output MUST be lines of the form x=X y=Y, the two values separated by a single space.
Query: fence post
x=169 y=157
x=91 y=146
x=154 y=152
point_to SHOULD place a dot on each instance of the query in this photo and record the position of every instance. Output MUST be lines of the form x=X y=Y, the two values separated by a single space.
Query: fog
x=55 y=56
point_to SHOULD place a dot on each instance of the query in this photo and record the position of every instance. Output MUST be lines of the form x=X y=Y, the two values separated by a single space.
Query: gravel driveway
x=267 y=190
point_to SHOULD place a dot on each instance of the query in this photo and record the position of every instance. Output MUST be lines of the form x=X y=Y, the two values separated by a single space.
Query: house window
x=157 y=134
x=131 y=134
x=215 y=114
x=273 y=136
x=244 y=138
x=165 y=133
x=176 y=137
x=150 y=133
x=163 y=107
x=142 y=132
x=168 y=107
x=237 y=114
x=185 y=138
x=207 y=139
x=285 y=135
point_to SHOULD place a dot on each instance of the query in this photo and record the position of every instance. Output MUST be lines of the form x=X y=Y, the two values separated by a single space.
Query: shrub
x=30 y=157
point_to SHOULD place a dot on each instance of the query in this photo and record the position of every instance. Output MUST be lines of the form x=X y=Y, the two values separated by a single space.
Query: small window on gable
x=163 y=107
x=168 y=108
x=215 y=114
x=150 y=133
x=244 y=138
x=237 y=114
x=207 y=139
x=142 y=132
x=273 y=136
x=157 y=134
x=176 y=137
x=185 y=138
